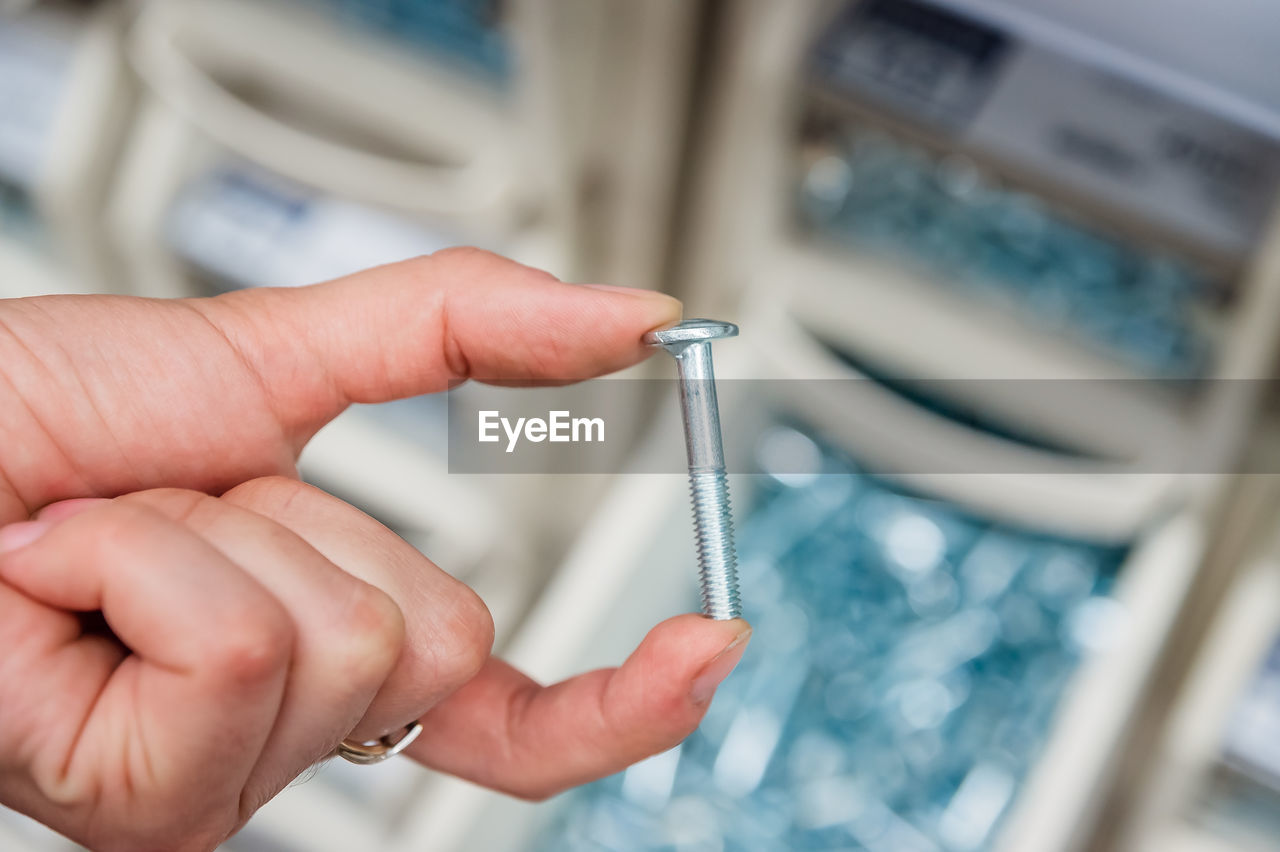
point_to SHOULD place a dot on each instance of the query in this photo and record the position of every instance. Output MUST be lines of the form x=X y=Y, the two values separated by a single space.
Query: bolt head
x=691 y=331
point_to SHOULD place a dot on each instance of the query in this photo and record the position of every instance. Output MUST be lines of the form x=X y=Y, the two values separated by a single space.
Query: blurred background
x=1081 y=658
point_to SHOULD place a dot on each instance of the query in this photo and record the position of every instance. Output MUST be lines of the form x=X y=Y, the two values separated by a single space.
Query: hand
x=186 y=626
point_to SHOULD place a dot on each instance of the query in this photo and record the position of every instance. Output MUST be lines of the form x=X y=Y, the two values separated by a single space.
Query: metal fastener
x=689 y=342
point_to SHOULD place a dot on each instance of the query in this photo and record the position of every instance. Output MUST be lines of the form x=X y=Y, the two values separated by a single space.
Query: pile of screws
x=465 y=31
x=906 y=666
x=951 y=220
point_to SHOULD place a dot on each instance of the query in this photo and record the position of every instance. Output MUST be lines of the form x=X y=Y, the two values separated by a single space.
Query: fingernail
x=64 y=509
x=19 y=535
x=714 y=673
x=627 y=291
x=666 y=308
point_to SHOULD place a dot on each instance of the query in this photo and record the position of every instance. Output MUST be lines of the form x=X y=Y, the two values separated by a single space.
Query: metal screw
x=689 y=343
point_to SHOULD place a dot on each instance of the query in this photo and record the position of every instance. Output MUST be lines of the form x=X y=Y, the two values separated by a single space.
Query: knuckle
x=534 y=790
x=118 y=529
x=257 y=647
x=372 y=635
x=465 y=638
x=267 y=492
x=477 y=260
x=49 y=779
x=538 y=788
x=138 y=513
x=463 y=254
x=153 y=496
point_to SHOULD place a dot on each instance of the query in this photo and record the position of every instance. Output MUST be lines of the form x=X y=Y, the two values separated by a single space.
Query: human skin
x=186 y=626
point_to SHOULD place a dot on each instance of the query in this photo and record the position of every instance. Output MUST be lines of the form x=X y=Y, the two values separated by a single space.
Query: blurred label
x=252 y=229
x=468 y=32
x=1138 y=150
x=932 y=64
x=1131 y=147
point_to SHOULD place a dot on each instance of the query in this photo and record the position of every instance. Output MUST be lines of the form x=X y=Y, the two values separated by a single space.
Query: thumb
x=415 y=327
x=506 y=731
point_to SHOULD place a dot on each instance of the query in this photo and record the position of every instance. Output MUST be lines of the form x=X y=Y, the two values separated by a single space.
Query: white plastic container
x=392 y=134
x=894 y=315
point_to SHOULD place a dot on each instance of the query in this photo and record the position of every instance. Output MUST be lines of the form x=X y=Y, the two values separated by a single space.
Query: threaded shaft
x=717 y=559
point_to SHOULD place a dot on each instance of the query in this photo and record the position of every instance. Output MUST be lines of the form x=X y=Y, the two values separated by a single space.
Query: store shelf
x=396 y=154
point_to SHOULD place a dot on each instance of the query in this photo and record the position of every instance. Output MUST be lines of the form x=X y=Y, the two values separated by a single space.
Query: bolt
x=689 y=342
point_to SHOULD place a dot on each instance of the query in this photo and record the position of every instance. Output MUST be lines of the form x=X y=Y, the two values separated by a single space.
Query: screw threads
x=689 y=342
x=717 y=558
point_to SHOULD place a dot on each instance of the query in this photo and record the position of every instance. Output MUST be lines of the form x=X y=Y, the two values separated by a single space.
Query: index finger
x=420 y=325
x=504 y=730
x=105 y=395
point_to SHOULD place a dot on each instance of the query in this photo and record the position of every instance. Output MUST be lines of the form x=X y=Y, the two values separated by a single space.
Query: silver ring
x=366 y=754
